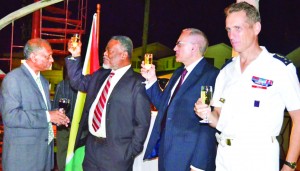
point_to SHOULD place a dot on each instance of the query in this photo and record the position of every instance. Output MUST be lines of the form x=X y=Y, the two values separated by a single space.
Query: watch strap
x=292 y=165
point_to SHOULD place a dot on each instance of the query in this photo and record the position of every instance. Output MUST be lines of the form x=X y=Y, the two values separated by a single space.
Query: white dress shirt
x=114 y=80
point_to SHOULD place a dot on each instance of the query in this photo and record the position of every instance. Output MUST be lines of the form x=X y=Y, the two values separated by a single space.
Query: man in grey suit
x=26 y=113
x=118 y=134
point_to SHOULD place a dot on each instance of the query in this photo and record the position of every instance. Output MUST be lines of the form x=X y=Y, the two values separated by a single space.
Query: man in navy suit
x=177 y=138
x=126 y=113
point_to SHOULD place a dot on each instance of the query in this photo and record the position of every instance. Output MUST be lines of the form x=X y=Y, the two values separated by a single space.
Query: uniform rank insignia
x=261 y=82
x=283 y=59
x=222 y=100
x=256 y=103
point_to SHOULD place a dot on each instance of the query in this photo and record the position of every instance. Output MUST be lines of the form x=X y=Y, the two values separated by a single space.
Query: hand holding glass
x=148 y=59
x=64 y=103
x=75 y=40
x=206 y=96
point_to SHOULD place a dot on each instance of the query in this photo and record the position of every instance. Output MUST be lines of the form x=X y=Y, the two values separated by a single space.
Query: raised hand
x=75 y=51
x=148 y=73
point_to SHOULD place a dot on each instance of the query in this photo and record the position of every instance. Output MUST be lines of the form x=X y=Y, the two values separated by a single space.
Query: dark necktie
x=163 y=122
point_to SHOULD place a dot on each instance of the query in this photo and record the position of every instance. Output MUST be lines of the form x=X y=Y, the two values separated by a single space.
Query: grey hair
x=126 y=43
x=197 y=32
x=251 y=12
x=34 y=45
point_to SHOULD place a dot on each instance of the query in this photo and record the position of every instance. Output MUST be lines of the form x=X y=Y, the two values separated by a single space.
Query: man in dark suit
x=27 y=115
x=63 y=90
x=117 y=137
x=177 y=138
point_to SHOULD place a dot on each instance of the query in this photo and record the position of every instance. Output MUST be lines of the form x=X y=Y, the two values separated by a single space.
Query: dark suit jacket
x=187 y=142
x=25 y=123
x=64 y=90
x=127 y=112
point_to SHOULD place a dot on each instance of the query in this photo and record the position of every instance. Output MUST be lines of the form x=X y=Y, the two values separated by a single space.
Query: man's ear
x=124 y=55
x=257 y=27
x=32 y=57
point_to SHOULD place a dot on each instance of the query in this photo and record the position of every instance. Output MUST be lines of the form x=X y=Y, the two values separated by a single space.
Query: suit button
x=46 y=140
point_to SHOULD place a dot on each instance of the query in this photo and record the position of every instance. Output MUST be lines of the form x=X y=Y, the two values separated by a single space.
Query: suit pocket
x=24 y=140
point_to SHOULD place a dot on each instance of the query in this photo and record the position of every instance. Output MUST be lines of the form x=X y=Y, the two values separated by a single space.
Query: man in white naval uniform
x=251 y=94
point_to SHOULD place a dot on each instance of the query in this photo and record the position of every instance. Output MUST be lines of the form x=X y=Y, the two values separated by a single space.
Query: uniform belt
x=99 y=140
x=223 y=140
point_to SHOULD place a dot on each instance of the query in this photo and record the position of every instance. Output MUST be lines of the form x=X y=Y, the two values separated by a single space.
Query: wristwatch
x=292 y=165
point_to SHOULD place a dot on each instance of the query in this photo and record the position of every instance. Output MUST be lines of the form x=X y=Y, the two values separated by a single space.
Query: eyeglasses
x=180 y=43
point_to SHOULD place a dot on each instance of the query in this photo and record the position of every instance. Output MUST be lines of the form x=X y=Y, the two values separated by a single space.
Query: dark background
x=280 y=21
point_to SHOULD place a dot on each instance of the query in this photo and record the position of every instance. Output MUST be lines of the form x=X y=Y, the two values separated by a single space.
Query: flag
x=91 y=63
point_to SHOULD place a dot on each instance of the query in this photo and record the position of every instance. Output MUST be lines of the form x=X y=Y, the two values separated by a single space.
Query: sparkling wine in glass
x=206 y=96
x=75 y=40
x=64 y=103
x=148 y=60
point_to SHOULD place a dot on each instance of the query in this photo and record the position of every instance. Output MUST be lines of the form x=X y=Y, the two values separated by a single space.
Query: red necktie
x=100 y=105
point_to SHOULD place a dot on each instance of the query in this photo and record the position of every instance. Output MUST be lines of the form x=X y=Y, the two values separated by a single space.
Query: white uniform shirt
x=114 y=80
x=253 y=102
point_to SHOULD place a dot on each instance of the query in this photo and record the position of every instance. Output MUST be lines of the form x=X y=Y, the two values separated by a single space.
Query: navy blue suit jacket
x=187 y=142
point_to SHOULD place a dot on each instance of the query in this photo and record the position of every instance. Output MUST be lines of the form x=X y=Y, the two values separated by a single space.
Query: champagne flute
x=64 y=103
x=148 y=60
x=75 y=40
x=206 y=96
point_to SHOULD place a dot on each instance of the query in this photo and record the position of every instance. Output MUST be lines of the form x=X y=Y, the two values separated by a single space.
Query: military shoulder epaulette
x=227 y=62
x=283 y=59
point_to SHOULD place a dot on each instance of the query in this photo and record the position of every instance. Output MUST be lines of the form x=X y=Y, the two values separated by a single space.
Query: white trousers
x=250 y=154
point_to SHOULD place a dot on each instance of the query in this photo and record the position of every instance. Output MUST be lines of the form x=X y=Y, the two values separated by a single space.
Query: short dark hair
x=126 y=43
x=251 y=12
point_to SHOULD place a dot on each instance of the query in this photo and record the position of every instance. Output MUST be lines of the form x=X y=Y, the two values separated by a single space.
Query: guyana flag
x=91 y=64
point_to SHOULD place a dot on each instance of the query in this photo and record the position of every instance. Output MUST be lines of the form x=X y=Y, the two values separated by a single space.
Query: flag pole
x=98 y=23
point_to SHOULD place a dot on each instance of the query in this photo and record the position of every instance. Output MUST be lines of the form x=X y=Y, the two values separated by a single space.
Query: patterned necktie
x=163 y=122
x=100 y=105
x=50 y=128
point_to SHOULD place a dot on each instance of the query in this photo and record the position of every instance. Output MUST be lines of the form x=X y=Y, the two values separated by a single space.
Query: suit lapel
x=46 y=90
x=33 y=83
x=96 y=83
x=121 y=82
x=193 y=77
x=172 y=82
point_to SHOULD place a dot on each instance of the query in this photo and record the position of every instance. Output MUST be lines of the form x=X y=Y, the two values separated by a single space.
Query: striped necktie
x=100 y=105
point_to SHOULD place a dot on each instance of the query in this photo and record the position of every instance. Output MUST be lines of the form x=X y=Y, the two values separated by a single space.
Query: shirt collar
x=193 y=65
x=122 y=70
x=35 y=76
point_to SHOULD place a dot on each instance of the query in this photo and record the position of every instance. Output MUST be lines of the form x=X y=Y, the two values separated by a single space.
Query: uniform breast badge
x=261 y=83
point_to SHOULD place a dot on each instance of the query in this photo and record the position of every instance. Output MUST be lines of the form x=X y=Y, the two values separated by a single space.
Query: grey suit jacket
x=25 y=123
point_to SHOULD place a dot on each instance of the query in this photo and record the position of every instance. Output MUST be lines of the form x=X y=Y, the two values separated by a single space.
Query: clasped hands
x=59 y=117
x=202 y=110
